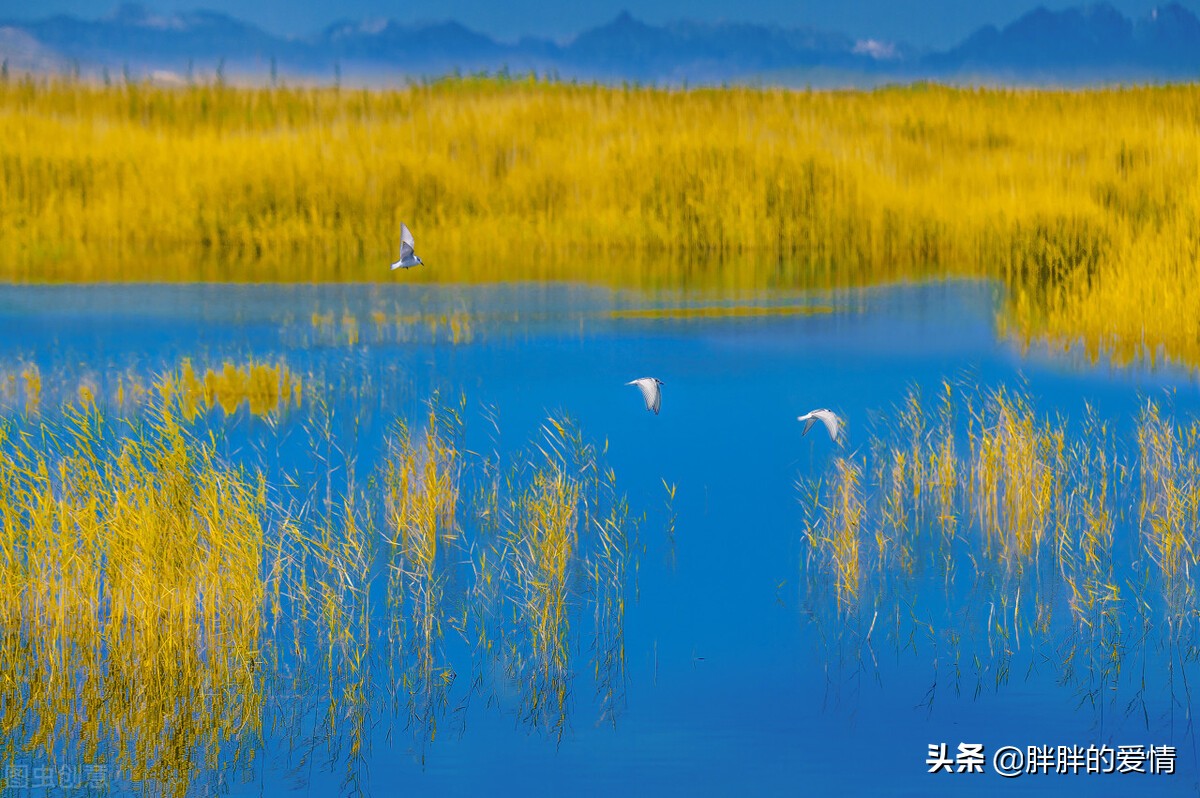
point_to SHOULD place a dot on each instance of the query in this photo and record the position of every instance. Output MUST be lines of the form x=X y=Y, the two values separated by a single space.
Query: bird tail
x=396 y=265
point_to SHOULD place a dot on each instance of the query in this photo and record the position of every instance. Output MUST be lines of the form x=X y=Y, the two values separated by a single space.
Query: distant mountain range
x=1095 y=39
x=1078 y=45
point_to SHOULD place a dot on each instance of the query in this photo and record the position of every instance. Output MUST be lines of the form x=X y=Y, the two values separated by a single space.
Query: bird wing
x=406 y=251
x=650 y=393
x=406 y=237
x=830 y=421
x=808 y=423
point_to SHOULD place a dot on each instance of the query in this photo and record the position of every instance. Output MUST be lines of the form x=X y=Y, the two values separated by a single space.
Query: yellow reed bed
x=1086 y=203
x=161 y=610
x=130 y=598
x=300 y=184
x=422 y=493
x=1169 y=509
x=836 y=535
x=1016 y=476
x=1140 y=306
x=1026 y=499
x=544 y=549
x=263 y=387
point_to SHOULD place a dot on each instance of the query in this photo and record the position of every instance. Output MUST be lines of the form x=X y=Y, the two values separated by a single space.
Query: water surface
x=736 y=678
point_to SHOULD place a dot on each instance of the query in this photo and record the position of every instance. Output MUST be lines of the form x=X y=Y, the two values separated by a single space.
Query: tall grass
x=992 y=527
x=556 y=537
x=263 y=387
x=422 y=482
x=169 y=601
x=1169 y=507
x=1017 y=475
x=130 y=598
x=837 y=540
x=1084 y=203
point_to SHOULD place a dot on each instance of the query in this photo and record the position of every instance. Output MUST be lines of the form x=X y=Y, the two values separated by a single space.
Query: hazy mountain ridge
x=1085 y=42
x=1167 y=41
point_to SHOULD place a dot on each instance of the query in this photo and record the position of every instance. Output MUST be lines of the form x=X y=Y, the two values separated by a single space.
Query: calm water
x=736 y=680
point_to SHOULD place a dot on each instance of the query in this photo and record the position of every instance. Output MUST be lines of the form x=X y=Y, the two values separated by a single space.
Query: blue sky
x=920 y=22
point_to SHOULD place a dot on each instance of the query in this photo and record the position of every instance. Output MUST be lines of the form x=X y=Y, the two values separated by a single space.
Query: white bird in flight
x=651 y=392
x=408 y=258
x=831 y=422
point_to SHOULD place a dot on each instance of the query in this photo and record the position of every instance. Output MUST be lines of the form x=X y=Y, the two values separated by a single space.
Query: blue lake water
x=736 y=679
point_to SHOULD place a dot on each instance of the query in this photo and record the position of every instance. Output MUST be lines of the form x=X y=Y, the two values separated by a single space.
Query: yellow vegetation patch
x=130 y=598
x=162 y=608
x=1086 y=204
x=264 y=388
x=1018 y=494
x=719 y=312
